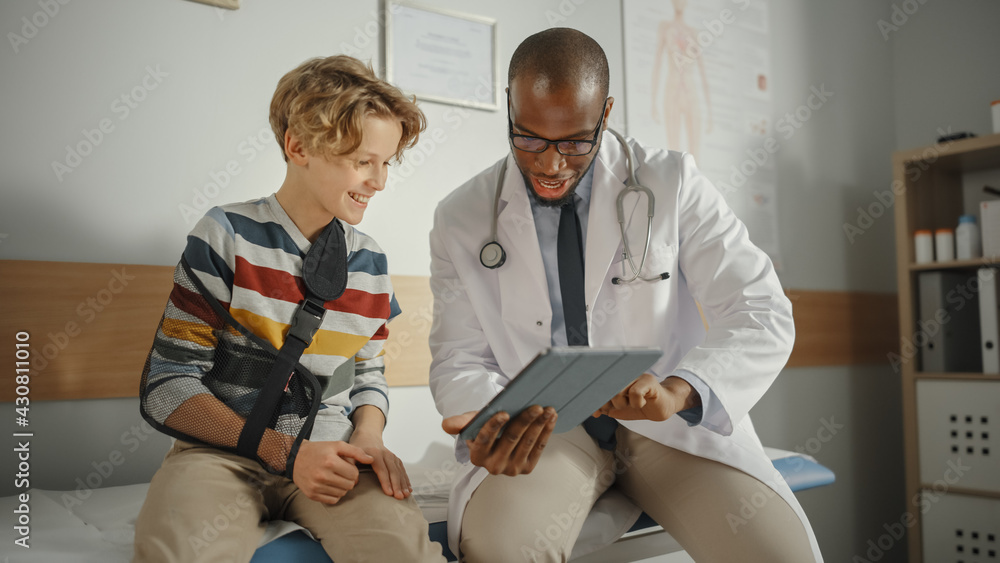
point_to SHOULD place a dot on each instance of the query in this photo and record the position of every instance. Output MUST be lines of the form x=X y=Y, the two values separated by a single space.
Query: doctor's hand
x=514 y=452
x=648 y=399
x=326 y=471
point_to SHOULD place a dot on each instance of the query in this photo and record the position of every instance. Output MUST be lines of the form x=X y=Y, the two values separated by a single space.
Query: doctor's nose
x=550 y=161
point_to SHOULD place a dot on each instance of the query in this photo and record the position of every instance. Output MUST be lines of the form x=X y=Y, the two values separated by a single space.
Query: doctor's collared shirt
x=710 y=414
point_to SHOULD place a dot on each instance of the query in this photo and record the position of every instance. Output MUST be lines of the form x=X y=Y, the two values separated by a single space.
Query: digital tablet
x=576 y=381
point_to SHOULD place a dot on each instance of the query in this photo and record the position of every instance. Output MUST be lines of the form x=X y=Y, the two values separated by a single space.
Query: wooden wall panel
x=91 y=326
x=843 y=328
x=407 y=355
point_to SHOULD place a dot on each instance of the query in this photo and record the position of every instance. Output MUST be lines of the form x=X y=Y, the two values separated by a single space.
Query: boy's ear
x=294 y=150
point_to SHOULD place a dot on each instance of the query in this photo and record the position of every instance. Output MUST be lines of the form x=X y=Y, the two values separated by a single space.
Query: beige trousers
x=208 y=505
x=538 y=516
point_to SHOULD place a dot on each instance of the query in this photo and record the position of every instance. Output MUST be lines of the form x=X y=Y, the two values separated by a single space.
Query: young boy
x=338 y=126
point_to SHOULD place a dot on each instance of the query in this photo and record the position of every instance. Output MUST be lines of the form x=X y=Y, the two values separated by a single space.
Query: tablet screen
x=576 y=381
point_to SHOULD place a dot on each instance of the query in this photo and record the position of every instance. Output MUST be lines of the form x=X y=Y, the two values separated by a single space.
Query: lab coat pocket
x=662 y=259
x=651 y=291
x=660 y=265
x=645 y=306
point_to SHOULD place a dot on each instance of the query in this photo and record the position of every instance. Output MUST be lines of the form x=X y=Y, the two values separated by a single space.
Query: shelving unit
x=951 y=421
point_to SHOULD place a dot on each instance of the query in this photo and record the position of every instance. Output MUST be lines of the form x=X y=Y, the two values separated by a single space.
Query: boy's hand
x=369 y=421
x=389 y=469
x=648 y=399
x=514 y=452
x=326 y=471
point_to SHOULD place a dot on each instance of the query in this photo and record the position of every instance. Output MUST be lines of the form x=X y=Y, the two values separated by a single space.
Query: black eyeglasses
x=568 y=147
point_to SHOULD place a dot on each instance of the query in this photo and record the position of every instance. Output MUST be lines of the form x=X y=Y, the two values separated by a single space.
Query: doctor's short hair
x=565 y=56
x=324 y=101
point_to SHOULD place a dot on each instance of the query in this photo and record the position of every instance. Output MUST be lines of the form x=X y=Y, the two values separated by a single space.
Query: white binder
x=989 y=327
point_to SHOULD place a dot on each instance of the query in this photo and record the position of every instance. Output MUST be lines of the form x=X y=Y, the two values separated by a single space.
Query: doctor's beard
x=566 y=198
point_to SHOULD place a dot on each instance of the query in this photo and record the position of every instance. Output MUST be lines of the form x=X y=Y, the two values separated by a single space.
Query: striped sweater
x=249 y=257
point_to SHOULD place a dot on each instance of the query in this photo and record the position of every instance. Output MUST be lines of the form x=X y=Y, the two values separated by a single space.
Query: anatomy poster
x=698 y=80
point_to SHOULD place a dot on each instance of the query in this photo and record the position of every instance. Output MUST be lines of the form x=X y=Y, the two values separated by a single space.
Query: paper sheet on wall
x=698 y=79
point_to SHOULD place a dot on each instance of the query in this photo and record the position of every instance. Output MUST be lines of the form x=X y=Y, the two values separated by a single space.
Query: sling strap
x=324 y=273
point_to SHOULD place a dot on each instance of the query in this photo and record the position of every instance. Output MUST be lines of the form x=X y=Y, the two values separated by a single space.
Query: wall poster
x=697 y=73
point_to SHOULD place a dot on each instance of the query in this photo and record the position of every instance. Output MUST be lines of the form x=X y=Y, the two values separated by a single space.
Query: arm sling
x=275 y=396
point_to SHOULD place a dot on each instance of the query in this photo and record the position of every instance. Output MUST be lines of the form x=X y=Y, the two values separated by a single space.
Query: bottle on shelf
x=944 y=245
x=923 y=241
x=968 y=244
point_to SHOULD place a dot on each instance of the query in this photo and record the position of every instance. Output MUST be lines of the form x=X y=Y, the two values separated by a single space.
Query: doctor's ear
x=607 y=113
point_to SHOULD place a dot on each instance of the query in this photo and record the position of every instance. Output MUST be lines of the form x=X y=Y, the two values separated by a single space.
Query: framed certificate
x=229 y=4
x=442 y=56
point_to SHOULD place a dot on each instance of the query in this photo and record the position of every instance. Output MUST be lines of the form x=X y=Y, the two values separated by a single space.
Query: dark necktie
x=569 y=248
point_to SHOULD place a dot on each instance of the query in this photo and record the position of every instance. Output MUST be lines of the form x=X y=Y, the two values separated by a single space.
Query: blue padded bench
x=799 y=472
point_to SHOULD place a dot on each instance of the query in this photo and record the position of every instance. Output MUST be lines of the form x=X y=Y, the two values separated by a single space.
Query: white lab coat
x=489 y=323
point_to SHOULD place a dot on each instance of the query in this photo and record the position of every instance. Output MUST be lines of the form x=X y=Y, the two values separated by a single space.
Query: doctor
x=680 y=445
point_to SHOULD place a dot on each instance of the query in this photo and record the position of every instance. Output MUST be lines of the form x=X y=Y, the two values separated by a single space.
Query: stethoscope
x=493 y=255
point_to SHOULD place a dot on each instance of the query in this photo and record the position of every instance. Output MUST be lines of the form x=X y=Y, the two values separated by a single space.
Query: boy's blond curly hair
x=324 y=101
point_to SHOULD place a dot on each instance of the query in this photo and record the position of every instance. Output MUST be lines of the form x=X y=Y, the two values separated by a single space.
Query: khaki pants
x=537 y=517
x=208 y=505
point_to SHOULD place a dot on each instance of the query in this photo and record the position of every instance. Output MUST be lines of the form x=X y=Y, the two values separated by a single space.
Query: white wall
x=944 y=60
x=121 y=204
x=834 y=162
x=219 y=71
